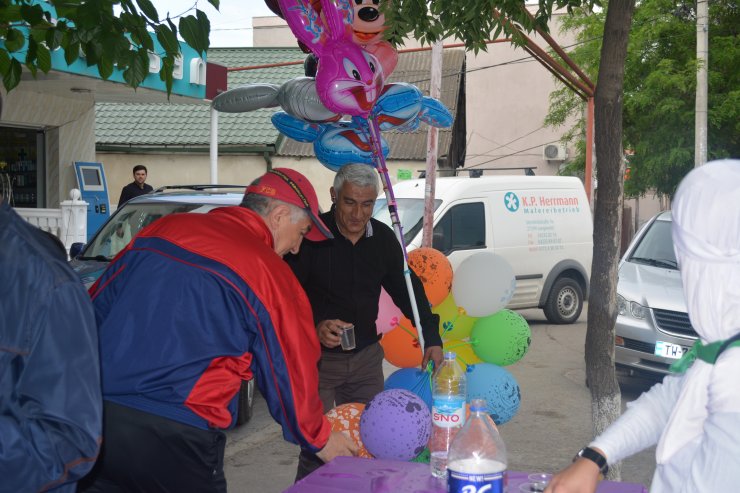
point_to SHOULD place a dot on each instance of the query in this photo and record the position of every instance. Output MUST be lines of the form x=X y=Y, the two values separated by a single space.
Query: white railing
x=68 y=223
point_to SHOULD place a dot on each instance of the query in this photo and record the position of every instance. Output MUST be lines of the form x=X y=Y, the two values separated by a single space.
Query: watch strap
x=595 y=457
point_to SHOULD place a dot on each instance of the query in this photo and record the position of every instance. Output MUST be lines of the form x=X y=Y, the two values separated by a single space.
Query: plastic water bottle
x=448 y=411
x=477 y=457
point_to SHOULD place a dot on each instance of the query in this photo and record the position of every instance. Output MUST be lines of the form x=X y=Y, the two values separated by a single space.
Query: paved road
x=554 y=420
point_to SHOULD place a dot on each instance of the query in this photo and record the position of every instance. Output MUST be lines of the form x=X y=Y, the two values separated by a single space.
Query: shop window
x=21 y=166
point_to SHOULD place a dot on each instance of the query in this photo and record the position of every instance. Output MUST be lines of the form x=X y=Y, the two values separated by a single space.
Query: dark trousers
x=144 y=452
x=345 y=378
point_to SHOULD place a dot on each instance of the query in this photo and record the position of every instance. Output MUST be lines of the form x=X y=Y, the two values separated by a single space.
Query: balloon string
x=462 y=343
x=408 y=331
x=369 y=127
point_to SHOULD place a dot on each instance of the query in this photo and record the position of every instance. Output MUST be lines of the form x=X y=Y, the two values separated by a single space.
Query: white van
x=541 y=224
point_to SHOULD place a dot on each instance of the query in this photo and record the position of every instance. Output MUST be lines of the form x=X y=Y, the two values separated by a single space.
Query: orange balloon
x=346 y=419
x=434 y=271
x=401 y=345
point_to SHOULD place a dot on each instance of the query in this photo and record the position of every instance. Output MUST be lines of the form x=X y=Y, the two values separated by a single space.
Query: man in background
x=136 y=187
x=50 y=398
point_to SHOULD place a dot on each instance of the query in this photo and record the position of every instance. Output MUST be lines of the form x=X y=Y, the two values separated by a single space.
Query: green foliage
x=659 y=89
x=92 y=28
x=471 y=21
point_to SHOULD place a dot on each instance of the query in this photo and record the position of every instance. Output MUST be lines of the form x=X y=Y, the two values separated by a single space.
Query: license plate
x=668 y=350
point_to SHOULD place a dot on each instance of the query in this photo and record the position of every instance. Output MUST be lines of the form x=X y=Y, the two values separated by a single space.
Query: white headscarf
x=706 y=235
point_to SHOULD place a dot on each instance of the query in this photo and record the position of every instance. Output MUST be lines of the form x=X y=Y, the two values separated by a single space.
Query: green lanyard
x=705 y=352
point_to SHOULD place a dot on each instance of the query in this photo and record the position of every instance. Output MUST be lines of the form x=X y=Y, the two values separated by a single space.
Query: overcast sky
x=231 y=24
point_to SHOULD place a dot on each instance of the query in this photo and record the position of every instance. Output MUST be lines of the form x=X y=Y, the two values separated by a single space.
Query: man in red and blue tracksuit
x=193 y=306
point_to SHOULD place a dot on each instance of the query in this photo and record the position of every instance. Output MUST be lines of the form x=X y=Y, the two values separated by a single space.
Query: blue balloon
x=295 y=128
x=335 y=144
x=417 y=381
x=399 y=103
x=434 y=113
x=498 y=387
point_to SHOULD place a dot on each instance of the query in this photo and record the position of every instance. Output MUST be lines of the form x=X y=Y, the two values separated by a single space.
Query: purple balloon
x=396 y=425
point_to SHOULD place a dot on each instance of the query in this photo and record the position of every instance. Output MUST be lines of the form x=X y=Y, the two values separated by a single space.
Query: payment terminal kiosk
x=94 y=190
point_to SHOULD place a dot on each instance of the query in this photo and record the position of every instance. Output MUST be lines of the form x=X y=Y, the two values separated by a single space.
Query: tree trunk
x=602 y=306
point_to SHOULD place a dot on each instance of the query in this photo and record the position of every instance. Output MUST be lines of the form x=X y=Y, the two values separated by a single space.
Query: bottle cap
x=478 y=405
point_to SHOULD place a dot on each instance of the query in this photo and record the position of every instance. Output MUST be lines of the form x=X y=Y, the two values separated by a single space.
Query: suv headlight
x=629 y=308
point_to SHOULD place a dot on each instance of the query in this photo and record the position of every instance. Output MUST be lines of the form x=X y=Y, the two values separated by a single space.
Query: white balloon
x=298 y=97
x=483 y=284
x=247 y=98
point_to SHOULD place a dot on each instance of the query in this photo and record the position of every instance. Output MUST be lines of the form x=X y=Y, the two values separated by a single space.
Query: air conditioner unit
x=554 y=152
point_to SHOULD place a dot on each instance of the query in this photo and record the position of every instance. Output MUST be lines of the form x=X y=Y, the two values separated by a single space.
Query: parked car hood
x=89 y=270
x=656 y=287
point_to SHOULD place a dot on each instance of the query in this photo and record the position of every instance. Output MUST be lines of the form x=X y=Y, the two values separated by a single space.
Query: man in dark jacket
x=50 y=398
x=343 y=278
x=136 y=187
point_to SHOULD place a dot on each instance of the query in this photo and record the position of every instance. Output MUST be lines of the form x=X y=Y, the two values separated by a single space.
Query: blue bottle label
x=463 y=482
x=448 y=413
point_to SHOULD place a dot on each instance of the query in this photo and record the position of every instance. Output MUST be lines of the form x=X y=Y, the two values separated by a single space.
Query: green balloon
x=423 y=457
x=502 y=338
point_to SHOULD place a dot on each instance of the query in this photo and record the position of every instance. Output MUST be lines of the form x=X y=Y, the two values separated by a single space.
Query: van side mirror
x=76 y=249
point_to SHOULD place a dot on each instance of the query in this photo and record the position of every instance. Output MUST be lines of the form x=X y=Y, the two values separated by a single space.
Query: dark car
x=89 y=261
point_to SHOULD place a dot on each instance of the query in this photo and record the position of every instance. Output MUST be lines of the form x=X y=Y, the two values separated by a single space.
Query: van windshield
x=656 y=247
x=410 y=213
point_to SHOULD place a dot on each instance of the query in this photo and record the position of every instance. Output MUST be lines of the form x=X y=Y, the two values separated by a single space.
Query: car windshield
x=128 y=221
x=410 y=213
x=656 y=247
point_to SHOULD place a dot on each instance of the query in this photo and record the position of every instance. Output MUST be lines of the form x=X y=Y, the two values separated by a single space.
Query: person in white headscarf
x=693 y=416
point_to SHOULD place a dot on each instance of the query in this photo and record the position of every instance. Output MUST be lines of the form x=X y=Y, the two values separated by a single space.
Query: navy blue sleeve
x=50 y=429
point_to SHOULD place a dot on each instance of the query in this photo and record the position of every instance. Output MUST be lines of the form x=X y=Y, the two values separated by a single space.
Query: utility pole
x=435 y=85
x=702 y=60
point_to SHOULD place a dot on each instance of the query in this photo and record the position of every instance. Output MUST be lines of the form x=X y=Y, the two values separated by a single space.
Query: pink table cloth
x=356 y=475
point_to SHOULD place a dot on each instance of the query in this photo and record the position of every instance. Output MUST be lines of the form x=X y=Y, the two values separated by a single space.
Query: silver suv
x=653 y=328
x=89 y=261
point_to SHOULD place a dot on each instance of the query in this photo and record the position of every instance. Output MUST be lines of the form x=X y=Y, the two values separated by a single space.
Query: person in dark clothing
x=343 y=278
x=136 y=187
x=51 y=405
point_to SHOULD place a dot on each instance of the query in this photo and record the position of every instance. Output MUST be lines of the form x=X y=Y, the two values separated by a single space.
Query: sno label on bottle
x=464 y=482
x=448 y=413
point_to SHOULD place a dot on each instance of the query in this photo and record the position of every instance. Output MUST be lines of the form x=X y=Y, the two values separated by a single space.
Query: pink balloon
x=388 y=313
x=349 y=79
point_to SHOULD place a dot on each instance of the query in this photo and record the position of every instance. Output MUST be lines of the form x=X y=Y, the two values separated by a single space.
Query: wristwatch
x=595 y=457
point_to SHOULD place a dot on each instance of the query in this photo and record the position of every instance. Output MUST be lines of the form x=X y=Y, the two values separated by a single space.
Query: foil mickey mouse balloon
x=367 y=24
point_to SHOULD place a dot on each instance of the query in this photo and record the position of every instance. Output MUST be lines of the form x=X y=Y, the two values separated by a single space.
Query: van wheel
x=565 y=302
x=246 y=402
